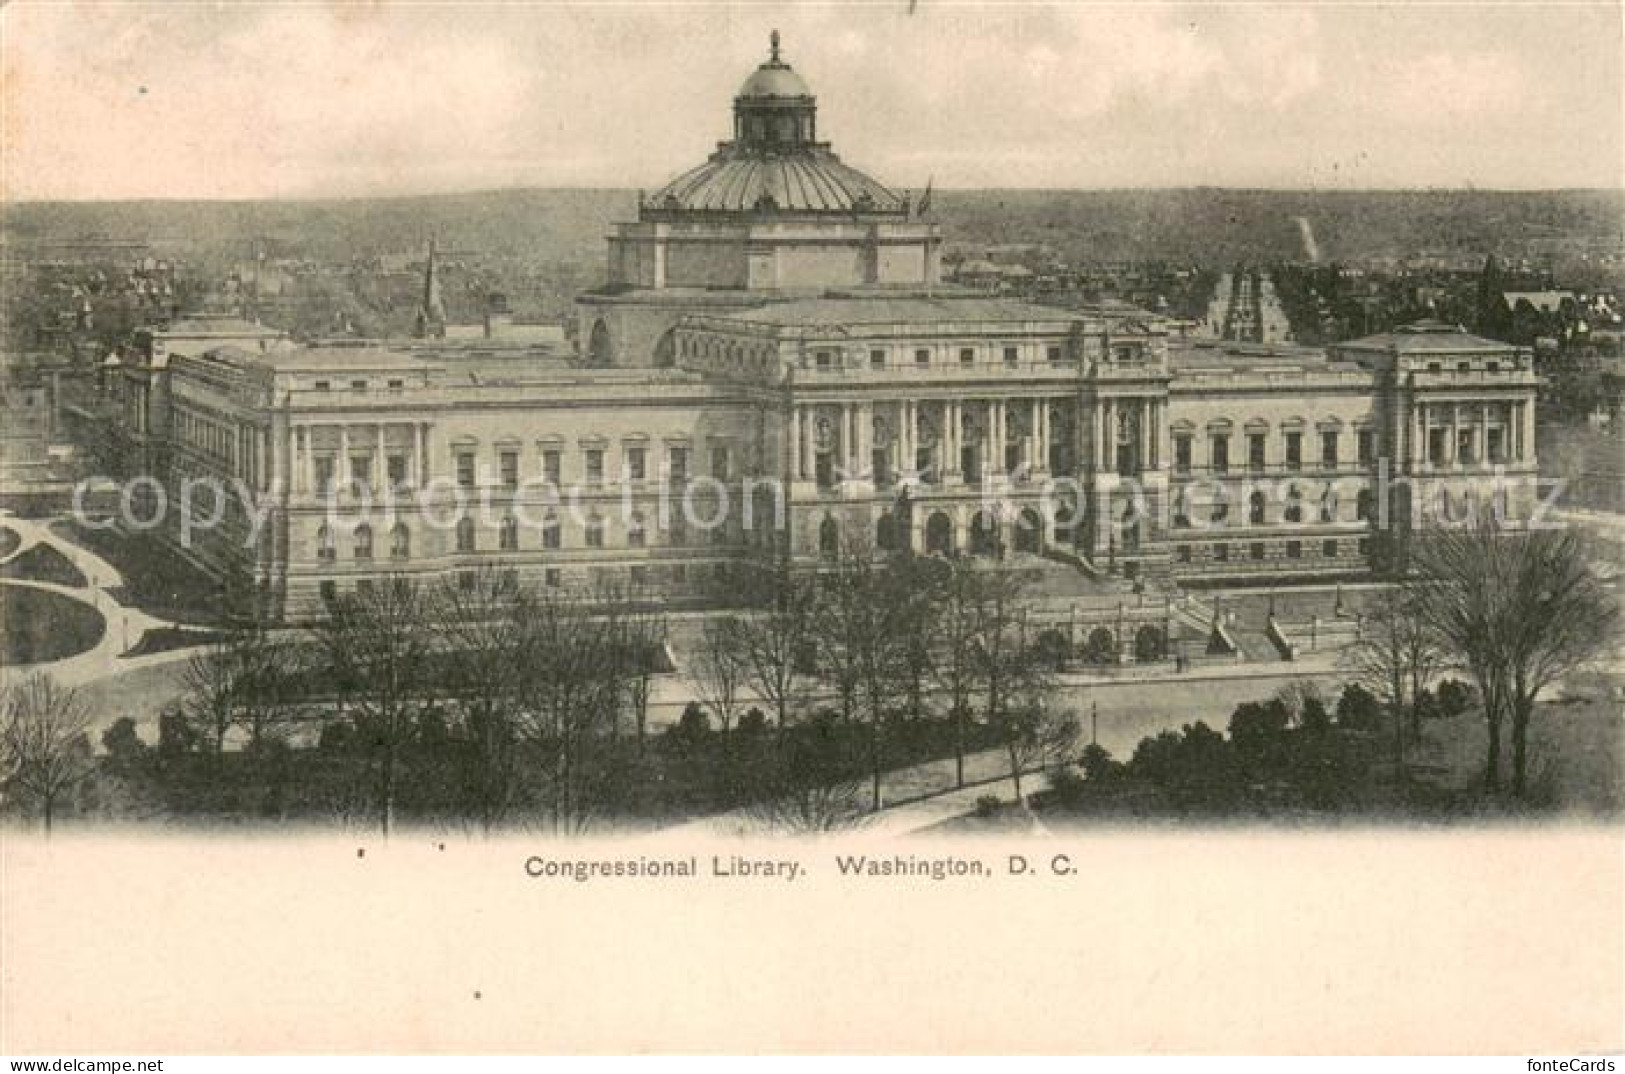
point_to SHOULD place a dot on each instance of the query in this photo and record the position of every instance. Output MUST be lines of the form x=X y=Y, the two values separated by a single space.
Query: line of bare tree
x=1516 y=609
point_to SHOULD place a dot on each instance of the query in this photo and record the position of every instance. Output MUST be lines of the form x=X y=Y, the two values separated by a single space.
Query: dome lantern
x=774 y=108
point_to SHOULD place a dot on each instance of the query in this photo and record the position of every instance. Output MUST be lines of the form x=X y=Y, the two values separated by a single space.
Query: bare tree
x=379 y=650
x=812 y=787
x=860 y=632
x=1520 y=610
x=774 y=645
x=46 y=742
x=1035 y=737
x=574 y=668
x=475 y=617
x=958 y=667
x=719 y=670
x=1395 y=658
x=244 y=680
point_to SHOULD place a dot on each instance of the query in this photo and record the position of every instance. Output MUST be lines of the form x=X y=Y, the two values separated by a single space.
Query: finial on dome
x=773 y=42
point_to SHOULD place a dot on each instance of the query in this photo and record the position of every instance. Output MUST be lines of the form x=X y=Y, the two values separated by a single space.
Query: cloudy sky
x=304 y=100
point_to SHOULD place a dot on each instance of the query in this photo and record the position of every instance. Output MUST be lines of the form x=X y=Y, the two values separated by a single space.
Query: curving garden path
x=124 y=625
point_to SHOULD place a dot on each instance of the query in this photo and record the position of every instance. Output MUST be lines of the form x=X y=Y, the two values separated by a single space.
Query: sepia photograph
x=684 y=509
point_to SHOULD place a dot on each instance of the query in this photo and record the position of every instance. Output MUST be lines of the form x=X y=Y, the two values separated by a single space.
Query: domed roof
x=774 y=79
x=808 y=181
x=775 y=162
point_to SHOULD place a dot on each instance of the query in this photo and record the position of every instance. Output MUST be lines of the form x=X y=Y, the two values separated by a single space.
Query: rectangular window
x=1183 y=552
x=324 y=385
x=1294 y=550
x=360 y=473
x=1256 y=550
x=1464 y=447
x=358 y=385
x=719 y=463
x=510 y=469
x=639 y=576
x=678 y=458
x=1363 y=546
x=330 y=592
x=467 y=580
x=1328 y=450
x=595 y=466
x=1364 y=440
x=922 y=357
x=324 y=475
x=1436 y=446
x=1053 y=355
x=397 y=471
x=637 y=463
x=1255 y=450
x=1221 y=553
x=824 y=359
x=1221 y=453
x=1328 y=549
x=552 y=578
x=465 y=469
x=967 y=356
x=1011 y=356
x=1495 y=445
x=877 y=359
x=397 y=385
x=1294 y=451
x=551 y=468
x=1182 y=454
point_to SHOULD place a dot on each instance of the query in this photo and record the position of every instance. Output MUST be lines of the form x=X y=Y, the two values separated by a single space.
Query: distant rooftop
x=1426 y=337
x=912 y=309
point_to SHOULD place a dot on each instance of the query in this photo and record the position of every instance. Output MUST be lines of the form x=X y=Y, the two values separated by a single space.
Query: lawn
x=37 y=626
x=42 y=563
x=155 y=579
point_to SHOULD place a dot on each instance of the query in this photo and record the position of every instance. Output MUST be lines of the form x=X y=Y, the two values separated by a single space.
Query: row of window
x=1257 y=551
x=360 y=385
x=1258 y=455
x=829 y=358
x=467 y=536
x=552 y=578
x=635 y=467
x=1291 y=510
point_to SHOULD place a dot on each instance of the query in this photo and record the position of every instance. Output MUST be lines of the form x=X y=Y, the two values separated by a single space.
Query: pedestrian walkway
x=124 y=625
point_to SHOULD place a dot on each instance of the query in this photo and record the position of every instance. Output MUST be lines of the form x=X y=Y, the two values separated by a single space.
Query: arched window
x=1328 y=505
x=1182 y=510
x=400 y=541
x=636 y=531
x=1293 y=511
x=324 y=542
x=551 y=534
x=465 y=534
x=508 y=535
x=1255 y=508
x=363 y=541
x=829 y=538
x=1221 y=507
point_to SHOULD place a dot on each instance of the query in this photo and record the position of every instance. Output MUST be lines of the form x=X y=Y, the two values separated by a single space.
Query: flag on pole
x=925 y=199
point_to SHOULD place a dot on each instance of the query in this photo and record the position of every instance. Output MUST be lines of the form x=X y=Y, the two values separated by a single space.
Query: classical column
x=380 y=471
x=866 y=438
x=308 y=441
x=1108 y=437
x=273 y=438
x=1528 y=406
x=792 y=433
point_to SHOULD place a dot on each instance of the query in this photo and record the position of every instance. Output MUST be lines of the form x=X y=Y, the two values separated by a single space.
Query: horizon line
x=15 y=201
